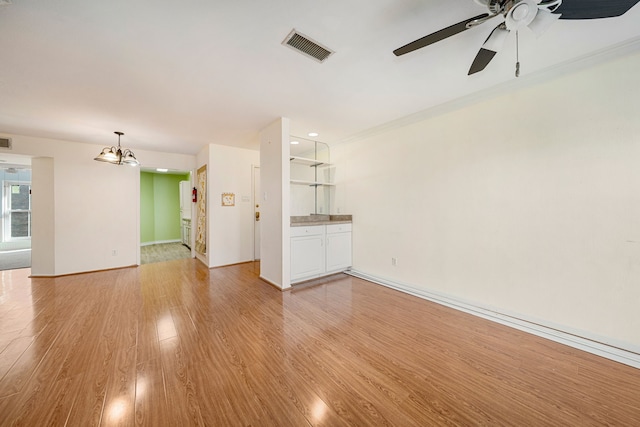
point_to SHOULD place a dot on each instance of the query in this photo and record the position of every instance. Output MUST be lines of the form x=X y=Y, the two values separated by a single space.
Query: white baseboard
x=272 y=283
x=160 y=242
x=621 y=352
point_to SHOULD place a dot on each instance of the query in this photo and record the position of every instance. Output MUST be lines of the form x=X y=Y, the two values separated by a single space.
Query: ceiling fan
x=537 y=15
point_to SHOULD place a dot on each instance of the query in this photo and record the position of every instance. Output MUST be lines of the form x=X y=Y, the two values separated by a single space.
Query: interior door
x=256 y=212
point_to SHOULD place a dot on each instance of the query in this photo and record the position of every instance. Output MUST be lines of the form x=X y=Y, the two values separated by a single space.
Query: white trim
x=620 y=352
x=583 y=62
x=255 y=200
x=159 y=242
x=271 y=282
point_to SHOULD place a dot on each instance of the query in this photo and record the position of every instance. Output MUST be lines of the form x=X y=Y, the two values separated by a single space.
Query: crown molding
x=581 y=63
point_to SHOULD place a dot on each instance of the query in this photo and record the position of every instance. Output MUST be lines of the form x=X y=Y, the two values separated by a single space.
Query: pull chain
x=517 y=56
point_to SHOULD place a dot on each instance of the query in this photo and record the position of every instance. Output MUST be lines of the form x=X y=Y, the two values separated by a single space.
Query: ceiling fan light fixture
x=521 y=14
x=494 y=6
x=544 y=20
x=496 y=39
x=535 y=14
x=549 y=5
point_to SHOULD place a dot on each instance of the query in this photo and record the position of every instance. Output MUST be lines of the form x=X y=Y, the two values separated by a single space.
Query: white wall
x=42 y=220
x=93 y=207
x=231 y=227
x=275 y=262
x=527 y=204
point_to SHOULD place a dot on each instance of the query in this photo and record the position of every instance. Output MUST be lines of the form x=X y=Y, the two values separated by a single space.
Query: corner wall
x=275 y=250
x=527 y=204
x=43 y=258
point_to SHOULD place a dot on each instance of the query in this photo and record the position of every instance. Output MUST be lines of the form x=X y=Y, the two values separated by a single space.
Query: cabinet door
x=338 y=252
x=307 y=257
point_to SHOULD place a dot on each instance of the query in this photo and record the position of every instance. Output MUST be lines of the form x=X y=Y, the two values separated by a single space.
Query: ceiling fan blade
x=594 y=9
x=543 y=21
x=491 y=46
x=437 y=36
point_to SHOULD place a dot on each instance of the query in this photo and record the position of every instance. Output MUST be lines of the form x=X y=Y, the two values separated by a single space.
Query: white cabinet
x=307 y=252
x=319 y=250
x=338 y=247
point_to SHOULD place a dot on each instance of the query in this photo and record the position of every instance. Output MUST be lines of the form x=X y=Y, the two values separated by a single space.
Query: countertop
x=307 y=220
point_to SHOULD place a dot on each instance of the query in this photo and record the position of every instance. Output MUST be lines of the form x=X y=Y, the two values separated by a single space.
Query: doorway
x=165 y=215
x=15 y=230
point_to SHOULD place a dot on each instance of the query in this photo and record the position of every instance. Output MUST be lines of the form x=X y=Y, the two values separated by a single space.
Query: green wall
x=160 y=206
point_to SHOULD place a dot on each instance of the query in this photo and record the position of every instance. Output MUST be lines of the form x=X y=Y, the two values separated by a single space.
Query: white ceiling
x=174 y=76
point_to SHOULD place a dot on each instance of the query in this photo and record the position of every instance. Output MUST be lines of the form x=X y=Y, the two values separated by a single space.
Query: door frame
x=255 y=173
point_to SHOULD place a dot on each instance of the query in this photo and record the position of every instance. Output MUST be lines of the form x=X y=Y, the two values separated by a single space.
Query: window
x=17 y=210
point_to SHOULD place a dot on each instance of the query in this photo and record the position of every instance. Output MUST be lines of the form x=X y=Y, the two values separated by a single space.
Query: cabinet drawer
x=338 y=228
x=312 y=230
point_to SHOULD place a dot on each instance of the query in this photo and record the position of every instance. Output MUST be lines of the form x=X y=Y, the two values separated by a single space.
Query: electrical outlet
x=394 y=261
x=114 y=252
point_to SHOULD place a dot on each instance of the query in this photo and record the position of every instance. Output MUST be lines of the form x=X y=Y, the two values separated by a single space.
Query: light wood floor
x=176 y=344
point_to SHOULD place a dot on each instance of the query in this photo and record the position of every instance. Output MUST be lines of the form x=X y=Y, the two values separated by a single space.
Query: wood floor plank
x=47 y=411
x=228 y=379
x=35 y=406
x=179 y=387
x=120 y=397
x=150 y=400
x=12 y=352
x=25 y=366
x=178 y=344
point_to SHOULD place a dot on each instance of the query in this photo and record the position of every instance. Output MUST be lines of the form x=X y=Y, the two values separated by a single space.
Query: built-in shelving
x=311 y=177
x=311 y=163
x=306 y=161
x=310 y=183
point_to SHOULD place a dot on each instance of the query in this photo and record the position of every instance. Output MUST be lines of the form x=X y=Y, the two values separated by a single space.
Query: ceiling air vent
x=305 y=45
x=5 y=143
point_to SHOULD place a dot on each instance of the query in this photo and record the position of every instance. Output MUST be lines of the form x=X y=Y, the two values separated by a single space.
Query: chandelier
x=117 y=156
